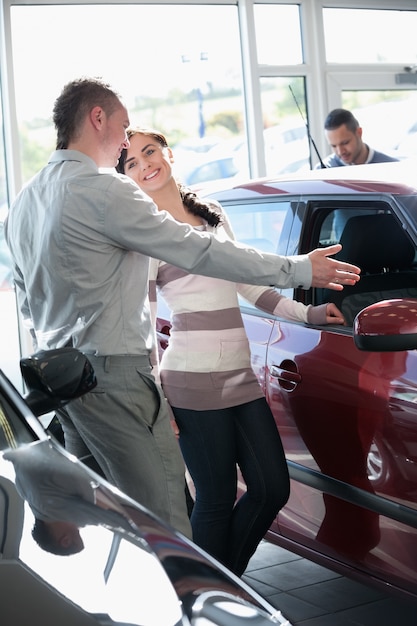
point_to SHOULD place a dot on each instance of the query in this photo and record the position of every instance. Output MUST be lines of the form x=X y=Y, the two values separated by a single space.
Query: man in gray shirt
x=80 y=241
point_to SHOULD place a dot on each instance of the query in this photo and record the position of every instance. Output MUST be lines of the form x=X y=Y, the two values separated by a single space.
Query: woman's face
x=148 y=163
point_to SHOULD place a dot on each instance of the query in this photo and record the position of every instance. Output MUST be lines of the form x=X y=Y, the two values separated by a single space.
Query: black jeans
x=213 y=443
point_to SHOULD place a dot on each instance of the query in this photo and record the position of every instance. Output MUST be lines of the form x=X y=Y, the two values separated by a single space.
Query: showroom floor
x=311 y=595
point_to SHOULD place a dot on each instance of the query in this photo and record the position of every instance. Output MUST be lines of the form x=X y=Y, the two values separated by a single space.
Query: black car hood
x=132 y=569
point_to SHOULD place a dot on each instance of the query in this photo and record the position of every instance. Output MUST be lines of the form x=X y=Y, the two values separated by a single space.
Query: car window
x=260 y=225
x=335 y=221
x=263 y=225
x=373 y=239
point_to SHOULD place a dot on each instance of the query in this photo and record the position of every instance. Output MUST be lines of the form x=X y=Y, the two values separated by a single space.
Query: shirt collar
x=72 y=155
x=371 y=153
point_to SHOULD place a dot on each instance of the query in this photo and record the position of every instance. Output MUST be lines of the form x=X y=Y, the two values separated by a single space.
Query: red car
x=347 y=416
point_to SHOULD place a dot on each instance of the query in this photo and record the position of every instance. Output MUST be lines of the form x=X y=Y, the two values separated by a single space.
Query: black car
x=75 y=551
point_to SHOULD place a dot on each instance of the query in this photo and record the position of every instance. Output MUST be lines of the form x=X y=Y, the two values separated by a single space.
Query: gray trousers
x=124 y=423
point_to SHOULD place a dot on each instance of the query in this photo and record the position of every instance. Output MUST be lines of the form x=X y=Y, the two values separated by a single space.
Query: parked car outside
x=211 y=169
x=124 y=566
x=347 y=417
x=286 y=148
x=204 y=160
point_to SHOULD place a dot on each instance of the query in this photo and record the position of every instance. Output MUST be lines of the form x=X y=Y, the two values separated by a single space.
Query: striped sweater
x=207 y=364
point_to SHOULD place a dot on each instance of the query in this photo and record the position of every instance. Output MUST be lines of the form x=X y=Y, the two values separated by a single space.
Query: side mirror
x=387 y=326
x=54 y=377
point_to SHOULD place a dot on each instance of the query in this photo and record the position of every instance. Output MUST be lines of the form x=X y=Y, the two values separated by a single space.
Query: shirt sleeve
x=271 y=301
x=266 y=298
x=138 y=225
x=23 y=305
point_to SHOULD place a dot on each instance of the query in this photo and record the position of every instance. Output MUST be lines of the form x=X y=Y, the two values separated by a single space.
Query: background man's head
x=344 y=135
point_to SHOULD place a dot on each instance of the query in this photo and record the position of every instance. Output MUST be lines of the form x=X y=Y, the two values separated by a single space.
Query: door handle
x=287 y=374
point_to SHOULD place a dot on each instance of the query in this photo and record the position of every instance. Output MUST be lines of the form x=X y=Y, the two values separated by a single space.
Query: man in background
x=344 y=135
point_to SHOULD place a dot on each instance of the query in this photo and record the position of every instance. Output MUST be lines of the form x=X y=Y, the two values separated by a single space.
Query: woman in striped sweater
x=221 y=412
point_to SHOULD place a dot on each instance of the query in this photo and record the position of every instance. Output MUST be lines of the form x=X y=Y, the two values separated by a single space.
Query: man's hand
x=331 y=273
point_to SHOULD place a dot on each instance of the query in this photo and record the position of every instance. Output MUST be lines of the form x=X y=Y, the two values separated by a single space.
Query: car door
x=340 y=410
x=341 y=413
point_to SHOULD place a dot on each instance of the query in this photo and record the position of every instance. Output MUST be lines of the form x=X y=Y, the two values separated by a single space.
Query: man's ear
x=65 y=540
x=97 y=117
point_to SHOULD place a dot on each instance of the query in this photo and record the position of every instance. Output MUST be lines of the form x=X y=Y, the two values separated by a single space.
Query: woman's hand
x=333 y=315
x=175 y=428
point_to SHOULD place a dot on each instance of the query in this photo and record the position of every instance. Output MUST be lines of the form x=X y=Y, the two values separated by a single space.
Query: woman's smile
x=152 y=175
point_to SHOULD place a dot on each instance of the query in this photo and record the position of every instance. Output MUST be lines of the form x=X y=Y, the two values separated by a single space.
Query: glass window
x=178 y=80
x=5 y=269
x=264 y=226
x=379 y=36
x=258 y=225
x=3 y=180
x=9 y=335
x=388 y=119
x=278 y=34
x=212 y=170
x=285 y=134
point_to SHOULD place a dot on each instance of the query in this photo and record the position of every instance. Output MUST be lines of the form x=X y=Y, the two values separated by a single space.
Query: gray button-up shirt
x=81 y=241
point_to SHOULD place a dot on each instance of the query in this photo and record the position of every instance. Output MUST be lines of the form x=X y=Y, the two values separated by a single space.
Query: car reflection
x=339 y=437
x=104 y=554
x=63 y=498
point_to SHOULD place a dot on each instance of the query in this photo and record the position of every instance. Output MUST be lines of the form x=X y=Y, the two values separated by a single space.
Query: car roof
x=398 y=177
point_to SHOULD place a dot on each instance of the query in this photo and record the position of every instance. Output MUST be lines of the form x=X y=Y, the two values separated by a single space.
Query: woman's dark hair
x=75 y=101
x=191 y=201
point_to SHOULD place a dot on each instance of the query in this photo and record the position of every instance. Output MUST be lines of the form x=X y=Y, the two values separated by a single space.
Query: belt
x=119 y=360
